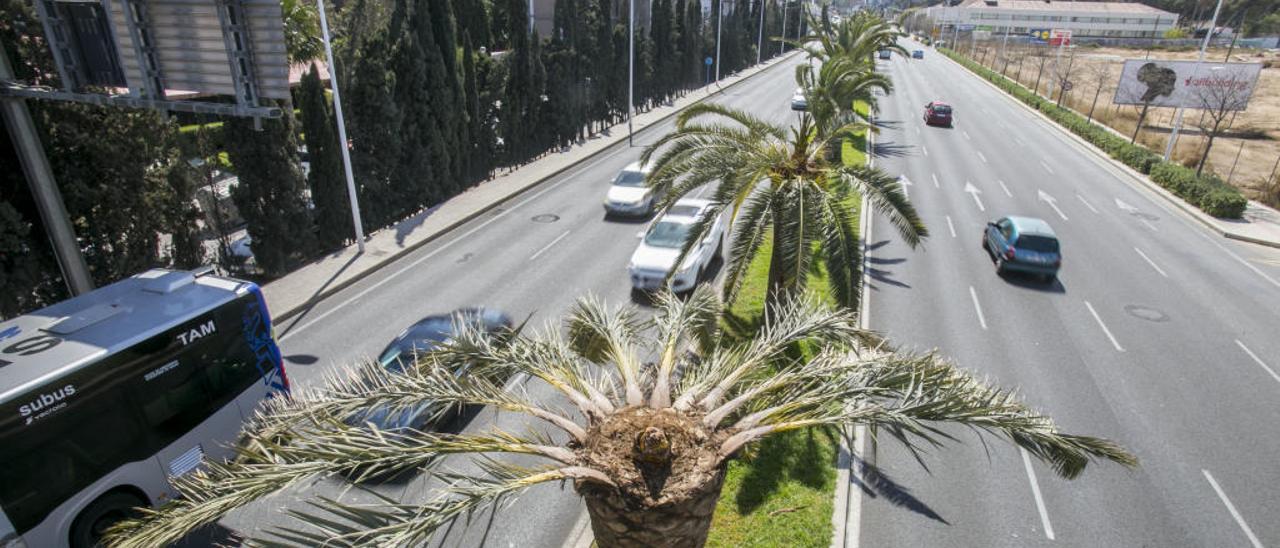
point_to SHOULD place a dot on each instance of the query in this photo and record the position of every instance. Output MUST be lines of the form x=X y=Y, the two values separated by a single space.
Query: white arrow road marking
x=1087 y=204
x=1126 y=207
x=935 y=181
x=981 y=157
x=1046 y=167
x=1053 y=202
x=1005 y=189
x=973 y=191
x=906 y=183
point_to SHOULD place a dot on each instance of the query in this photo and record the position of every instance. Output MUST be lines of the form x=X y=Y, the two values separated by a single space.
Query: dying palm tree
x=782 y=186
x=659 y=407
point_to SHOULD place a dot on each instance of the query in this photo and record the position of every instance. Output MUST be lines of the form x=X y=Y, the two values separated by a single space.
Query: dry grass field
x=1246 y=152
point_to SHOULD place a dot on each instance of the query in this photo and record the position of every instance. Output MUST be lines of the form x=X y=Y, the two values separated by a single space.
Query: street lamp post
x=719 y=18
x=342 y=129
x=631 y=70
x=782 y=45
x=760 y=36
x=1177 y=123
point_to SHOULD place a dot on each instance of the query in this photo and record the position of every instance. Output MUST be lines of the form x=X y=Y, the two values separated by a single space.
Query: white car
x=660 y=245
x=629 y=195
x=799 y=101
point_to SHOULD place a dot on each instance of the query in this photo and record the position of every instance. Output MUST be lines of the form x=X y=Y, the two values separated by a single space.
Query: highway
x=1157 y=334
x=532 y=257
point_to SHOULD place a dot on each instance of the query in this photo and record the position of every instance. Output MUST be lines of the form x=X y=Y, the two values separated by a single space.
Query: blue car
x=1023 y=244
x=917 y=54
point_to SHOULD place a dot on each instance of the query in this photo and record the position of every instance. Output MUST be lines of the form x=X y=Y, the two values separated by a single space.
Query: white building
x=1084 y=19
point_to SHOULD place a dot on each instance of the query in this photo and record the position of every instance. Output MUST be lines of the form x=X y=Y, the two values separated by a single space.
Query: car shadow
x=1034 y=283
x=627 y=219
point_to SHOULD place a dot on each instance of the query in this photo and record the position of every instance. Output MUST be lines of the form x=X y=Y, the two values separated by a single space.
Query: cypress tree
x=603 y=67
x=472 y=19
x=328 y=186
x=519 y=88
x=270 y=192
x=478 y=165
x=448 y=105
x=374 y=129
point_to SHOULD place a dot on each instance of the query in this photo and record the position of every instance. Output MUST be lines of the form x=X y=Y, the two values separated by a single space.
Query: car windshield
x=401 y=352
x=667 y=234
x=629 y=178
x=1038 y=244
x=683 y=210
x=941 y=109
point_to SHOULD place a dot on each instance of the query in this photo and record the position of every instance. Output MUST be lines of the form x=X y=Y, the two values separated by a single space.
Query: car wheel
x=89 y=527
x=999 y=266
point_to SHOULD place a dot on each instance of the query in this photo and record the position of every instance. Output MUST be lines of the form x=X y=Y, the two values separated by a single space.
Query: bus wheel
x=92 y=523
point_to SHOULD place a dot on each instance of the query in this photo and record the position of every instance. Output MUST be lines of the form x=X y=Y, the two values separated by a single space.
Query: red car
x=937 y=113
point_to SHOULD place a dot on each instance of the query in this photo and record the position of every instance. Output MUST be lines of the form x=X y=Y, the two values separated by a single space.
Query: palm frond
x=888 y=198
x=604 y=335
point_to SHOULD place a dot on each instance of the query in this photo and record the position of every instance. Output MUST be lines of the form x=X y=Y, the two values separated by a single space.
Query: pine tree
x=270 y=192
x=326 y=179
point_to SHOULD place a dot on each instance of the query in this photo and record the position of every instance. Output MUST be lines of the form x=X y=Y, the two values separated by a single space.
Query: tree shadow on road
x=879 y=485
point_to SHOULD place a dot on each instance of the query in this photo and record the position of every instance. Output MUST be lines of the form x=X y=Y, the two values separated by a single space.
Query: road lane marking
x=1035 y=489
x=1046 y=167
x=1259 y=360
x=951 y=227
x=294 y=330
x=1104 y=327
x=924 y=149
x=1237 y=257
x=1149 y=225
x=1253 y=539
x=935 y=181
x=982 y=157
x=965 y=133
x=978 y=306
x=973 y=191
x=548 y=246
x=906 y=184
x=1151 y=262
x=1087 y=204
x=1005 y=189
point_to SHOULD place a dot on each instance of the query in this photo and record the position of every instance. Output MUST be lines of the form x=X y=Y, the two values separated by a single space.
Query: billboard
x=1060 y=37
x=1161 y=83
x=1039 y=36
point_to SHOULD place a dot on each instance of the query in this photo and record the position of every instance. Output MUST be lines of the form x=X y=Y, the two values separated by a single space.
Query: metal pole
x=1177 y=122
x=631 y=69
x=1236 y=161
x=342 y=129
x=760 y=36
x=719 y=17
x=26 y=142
x=782 y=46
x=1003 y=46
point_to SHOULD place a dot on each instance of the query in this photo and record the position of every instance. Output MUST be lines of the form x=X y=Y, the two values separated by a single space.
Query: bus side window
x=175 y=401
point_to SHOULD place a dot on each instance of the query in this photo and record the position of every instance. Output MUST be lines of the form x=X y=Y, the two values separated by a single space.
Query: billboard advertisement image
x=1161 y=83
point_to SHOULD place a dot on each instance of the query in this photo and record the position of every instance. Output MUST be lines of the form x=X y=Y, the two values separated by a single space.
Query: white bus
x=106 y=396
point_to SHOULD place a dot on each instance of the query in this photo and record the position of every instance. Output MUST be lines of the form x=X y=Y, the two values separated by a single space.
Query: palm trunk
x=681 y=525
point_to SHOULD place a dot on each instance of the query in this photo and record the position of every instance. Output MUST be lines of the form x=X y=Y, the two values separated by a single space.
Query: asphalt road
x=533 y=257
x=1156 y=335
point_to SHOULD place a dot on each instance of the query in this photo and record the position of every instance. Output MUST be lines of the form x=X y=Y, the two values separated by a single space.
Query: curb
x=1146 y=182
x=283 y=315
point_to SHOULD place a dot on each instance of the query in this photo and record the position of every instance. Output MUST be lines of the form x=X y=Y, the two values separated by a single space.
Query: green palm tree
x=784 y=186
x=648 y=442
x=858 y=37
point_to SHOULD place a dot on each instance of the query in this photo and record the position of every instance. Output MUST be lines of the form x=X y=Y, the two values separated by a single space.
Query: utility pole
x=782 y=45
x=342 y=130
x=1003 y=46
x=760 y=37
x=631 y=69
x=44 y=189
x=1177 y=123
x=719 y=17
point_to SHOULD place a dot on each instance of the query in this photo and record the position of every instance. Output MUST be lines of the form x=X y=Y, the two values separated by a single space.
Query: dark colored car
x=937 y=113
x=1023 y=244
x=422 y=337
x=917 y=54
x=884 y=54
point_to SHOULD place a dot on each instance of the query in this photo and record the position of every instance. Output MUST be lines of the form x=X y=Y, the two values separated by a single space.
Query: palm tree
x=648 y=441
x=785 y=186
x=858 y=37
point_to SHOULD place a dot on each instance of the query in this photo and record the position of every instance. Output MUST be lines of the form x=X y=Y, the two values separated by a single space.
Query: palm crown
x=659 y=406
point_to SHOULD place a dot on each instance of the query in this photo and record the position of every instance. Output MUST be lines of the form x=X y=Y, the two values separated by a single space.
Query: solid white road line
x=924 y=149
x=951 y=227
x=978 y=306
x=1046 y=167
x=1087 y=204
x=1240 y=260
x=548 y=246
x=1151 y=262
x=1005 y=189
x=935 y=181
x=981 y=157
x=1035 y=489
x=1259 y=360
x=1253 y=539
x=1104 y=327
